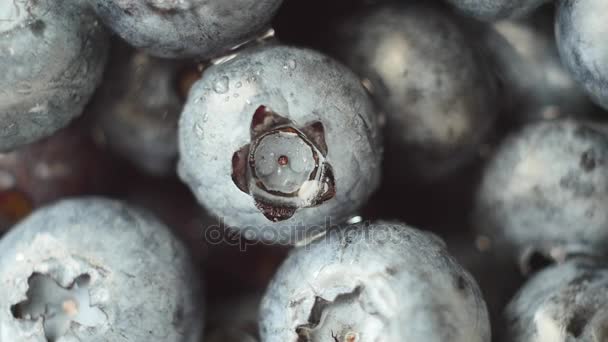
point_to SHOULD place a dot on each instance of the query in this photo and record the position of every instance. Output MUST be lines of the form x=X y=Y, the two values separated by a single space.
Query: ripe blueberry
x=544 y=192
x=52 y=55
x=137 y=108
x=278 y=141
x=581 y=30
x=562 y=303
x=435 y=93
x=490 y=10
x=186 y=28
x=376 y=282
x=542 y=87
x=91 y=269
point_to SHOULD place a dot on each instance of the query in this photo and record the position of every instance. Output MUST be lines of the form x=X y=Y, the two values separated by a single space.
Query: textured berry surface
x=542 y=86
x=383 y=282
x=186 y=28
x=436 y=94
x=138 y=106
x=141 y=285
x=41 y=90
x=279 y=140
x=545 y=190
x=563 y=303
x=581 y=30
x=496 y=9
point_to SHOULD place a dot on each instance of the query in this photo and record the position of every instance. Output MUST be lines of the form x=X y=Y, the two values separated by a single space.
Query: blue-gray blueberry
x=95 y=270
x=187 y=28
x=542 y=87
x=563 y=303
x=581 y=30
x=278 y=141
x=490 y=10
x=137 y=108
x=437 y=95
x=52 y=55
x=373 y=282
x=545 y=192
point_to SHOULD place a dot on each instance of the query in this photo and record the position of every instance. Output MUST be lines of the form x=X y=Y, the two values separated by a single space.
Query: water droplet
x=227 y=98
x=235 y=95
x=198 y=130
x=205 y=117
x=221 y=85
x=239 y=84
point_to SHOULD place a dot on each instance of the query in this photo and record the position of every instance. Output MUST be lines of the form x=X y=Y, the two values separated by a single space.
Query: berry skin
x=491 y=10
x=435 y=93
x=137 y=108
x=42 y=91
x=543 y=88
x=115 y=271
x=186 y=28
x=544 y=192
x=563 y=303
x=376 y=282
x=581 y=30
x=279 y=140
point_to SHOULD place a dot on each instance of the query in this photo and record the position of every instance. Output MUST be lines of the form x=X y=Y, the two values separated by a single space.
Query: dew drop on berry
x=198 y=130
x=221 y=85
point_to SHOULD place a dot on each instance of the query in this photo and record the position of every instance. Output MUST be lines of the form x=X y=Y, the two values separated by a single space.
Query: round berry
x=278 y=141
x=186 y=28
x=436 y=95
x=545 y=192
x=52 y=54
x=542 y=87
x=137 y=108
x=373 y=282
x=581 y=30
x=562 y=303
x=96 y=270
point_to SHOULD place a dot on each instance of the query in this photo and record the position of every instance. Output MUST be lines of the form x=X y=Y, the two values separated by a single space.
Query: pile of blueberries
x=252 y=170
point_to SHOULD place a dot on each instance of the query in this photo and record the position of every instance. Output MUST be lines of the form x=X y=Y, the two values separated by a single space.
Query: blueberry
x=543 y=88
x=490 y=10
x=373 y=282
x=279 y=140
x=186 y=28
x=137 y=108
x=435 y=93
x=581 y=29
x=91 y=269
x=52 y=55
x=562 y=303
x=543 y=194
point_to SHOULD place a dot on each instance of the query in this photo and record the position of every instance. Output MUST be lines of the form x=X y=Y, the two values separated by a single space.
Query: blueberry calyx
x=284 y=167
x=58 y=306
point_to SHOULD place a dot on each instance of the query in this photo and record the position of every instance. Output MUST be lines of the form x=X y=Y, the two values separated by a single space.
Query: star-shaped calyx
x=59 y=307
x=284 y=168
